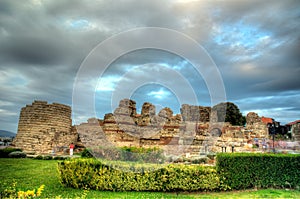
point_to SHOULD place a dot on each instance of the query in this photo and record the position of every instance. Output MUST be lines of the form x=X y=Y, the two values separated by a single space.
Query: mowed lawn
x=30 y=174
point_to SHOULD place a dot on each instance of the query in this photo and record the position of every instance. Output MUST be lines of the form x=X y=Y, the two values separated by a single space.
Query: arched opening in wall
x=216 y=132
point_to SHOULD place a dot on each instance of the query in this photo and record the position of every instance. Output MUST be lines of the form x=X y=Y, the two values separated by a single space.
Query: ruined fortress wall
x=195 y=113
x=195 y=130
x=44 y=127
x=255 y=126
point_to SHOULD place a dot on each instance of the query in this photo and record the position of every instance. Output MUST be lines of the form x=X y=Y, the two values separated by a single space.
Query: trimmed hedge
x=49 y=157
x=17 y=154
x=249 y=170
x=119 y=176
x=4 y=152
x=39 y=157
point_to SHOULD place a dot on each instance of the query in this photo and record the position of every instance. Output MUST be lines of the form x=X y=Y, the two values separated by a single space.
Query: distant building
x=294 y=129
x=5 y=141
x=267 y=120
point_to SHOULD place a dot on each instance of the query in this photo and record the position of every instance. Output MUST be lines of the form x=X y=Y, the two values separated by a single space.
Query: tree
x=229 y=112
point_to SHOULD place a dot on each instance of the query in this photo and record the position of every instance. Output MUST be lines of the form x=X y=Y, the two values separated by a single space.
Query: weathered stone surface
x=130 y=105
x=93 y=121
x=91 y=133
x=255 y=128
x=252 y=118
x=296 y=132
x=195 y=113
x=214 y=116
x=166 y=113
x=44 y=128
x=148 y=110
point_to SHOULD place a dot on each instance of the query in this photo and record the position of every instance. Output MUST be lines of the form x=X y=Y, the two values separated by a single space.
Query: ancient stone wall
x=296 y=131
x=194 y=131
x=255 y=127
x=195 y=113
x=44 y=127
x=252 y=118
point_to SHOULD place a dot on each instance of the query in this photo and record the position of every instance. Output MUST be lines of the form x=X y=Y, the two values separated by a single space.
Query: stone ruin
x=196 y=130
x=46 y=128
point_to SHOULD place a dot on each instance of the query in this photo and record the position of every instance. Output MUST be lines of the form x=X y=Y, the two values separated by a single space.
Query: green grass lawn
x=30 y=174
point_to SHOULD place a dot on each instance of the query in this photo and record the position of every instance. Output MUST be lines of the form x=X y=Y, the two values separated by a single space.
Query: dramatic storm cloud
x=254 y=44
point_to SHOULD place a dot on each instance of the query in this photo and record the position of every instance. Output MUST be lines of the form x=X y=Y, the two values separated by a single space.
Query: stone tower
x=44 y=128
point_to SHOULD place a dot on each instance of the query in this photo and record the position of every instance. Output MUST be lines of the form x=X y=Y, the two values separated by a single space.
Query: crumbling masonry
x=46 y=128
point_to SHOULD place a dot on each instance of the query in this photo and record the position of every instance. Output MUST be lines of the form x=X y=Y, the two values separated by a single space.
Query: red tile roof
x=294 y=122
x=267 y=120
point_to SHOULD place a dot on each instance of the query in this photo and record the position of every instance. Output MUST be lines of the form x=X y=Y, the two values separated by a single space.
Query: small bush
x=200 y=160
x=179 y=160
x=211 y=156
x=47 y=157
x=17 y=154
x=4 y=152
x=13 y=192
x=86 y=153
x=59 y=158
x=31 y=193
x=39 y=157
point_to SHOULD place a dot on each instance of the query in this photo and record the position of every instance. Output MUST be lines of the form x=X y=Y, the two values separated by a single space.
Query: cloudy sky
x=254 y=44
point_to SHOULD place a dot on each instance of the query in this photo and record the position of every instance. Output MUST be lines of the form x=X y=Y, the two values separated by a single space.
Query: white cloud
x=107 y=83
x=11 y=77
x=5 y=103
x=4 y=113
x=160 y=94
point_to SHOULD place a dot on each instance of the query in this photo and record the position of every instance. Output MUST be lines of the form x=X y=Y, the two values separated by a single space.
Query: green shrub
x=120 y=176
x=211 y=156
x=39 y=157
x=179 y=160
x=17 y=154
x=59 y=158
x=47 y=157
x=86 y=153
x=248 y=170
x=4 y=152
x=14 y=192
x=200 y=160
